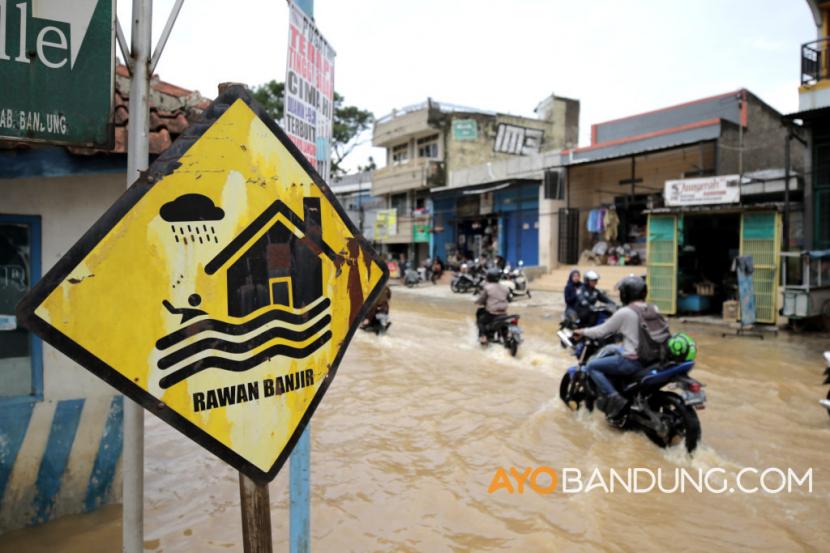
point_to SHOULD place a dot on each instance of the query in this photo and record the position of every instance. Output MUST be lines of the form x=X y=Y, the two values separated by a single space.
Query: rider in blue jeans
x=626 y=321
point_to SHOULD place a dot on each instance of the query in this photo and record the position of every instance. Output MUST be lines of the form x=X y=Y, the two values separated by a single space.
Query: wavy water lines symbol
x=212 y=343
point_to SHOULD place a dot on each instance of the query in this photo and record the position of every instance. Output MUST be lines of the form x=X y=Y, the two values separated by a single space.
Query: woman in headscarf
x=571 y=289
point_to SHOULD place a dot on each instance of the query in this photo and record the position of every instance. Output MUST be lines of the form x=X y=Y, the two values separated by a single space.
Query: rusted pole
x=256 y=516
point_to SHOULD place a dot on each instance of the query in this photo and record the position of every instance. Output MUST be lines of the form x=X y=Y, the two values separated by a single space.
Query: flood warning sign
x=220 y=291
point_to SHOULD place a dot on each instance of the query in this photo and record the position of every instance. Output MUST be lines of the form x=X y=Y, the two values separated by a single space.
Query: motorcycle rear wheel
x=574 y=393
x=683 y=422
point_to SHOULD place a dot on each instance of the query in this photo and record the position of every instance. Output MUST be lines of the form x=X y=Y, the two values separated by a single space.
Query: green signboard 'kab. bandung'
x=56 y=70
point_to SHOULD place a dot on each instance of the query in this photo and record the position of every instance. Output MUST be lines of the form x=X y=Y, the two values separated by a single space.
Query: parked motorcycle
x=379 y=324
x=413 y=277
x=504 y=330
x=515 y=281
x=467 y=280
x=826 y=402
x=666 y=417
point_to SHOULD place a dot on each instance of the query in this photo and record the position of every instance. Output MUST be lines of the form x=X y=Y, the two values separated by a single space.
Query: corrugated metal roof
x=709 y=131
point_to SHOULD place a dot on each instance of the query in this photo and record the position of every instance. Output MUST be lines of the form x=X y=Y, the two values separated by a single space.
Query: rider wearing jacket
x=626 y=321
x=493 y=300
x=587 y=297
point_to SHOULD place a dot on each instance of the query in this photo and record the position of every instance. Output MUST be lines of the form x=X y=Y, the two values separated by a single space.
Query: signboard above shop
x=56 y=70
x=724 y=189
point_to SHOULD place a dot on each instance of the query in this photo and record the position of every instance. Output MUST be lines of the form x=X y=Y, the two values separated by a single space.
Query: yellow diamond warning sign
x=220 y=291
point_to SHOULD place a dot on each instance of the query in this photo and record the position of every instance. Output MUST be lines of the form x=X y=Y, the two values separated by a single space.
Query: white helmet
x=591 y=275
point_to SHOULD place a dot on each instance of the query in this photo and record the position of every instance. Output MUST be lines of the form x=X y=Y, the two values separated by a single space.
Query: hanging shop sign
x=724 y=189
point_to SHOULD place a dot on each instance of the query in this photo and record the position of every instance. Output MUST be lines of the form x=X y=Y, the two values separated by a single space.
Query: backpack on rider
x=654 y=332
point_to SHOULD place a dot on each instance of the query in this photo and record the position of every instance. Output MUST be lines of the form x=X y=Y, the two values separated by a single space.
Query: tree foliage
x=350 y=122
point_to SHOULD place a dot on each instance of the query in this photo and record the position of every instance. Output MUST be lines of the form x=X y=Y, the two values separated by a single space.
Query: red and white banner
x=309 y=90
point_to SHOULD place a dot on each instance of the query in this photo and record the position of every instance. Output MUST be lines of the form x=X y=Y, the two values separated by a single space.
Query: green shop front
x=691 y=250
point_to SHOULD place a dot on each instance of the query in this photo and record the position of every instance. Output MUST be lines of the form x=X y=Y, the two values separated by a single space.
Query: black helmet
x=493 y=275
x=632 y=288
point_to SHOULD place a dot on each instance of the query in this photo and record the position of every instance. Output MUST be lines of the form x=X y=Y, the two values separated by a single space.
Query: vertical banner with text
x=309 y=90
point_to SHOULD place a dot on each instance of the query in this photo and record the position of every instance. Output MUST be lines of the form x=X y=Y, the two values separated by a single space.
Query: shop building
x=61 y=427
x=354 y=192
x=814 y=119
x=518 y=197
x=687 y=189
x=436 y=216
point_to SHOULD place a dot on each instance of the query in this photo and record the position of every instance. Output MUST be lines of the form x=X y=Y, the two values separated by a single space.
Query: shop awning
x=472 y=189
x=718 y=208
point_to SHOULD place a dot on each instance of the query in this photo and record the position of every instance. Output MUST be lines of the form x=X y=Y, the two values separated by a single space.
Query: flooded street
x=414 y=427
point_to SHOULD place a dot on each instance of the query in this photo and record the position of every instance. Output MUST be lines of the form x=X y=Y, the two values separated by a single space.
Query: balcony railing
x=814 y=61
x=412 y=175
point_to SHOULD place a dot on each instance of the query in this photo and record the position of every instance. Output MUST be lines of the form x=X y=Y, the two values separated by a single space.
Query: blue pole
x=307 y=6
x=300 y=470
x=300 y=492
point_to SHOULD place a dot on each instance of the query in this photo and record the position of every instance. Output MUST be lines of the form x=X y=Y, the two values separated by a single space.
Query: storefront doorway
x=707 y=246
x=477 y=236
x=690 y=257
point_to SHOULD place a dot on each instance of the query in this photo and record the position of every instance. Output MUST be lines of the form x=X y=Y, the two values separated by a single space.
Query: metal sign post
x=256 y=516
x=138 y=157
x=141 y=63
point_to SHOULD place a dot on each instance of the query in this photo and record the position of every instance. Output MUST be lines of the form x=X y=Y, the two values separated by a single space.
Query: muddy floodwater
x=416 y=424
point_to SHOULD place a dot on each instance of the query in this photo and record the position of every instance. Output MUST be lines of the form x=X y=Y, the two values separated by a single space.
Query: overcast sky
x=617 y=57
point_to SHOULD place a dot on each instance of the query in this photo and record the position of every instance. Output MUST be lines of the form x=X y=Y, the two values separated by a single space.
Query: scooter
x=666 y=417
x=504 y=330
x=515 y=281
x=826 y=402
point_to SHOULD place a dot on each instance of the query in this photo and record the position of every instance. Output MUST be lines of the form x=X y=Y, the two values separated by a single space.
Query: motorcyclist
x=625 y=321
x=493 y=301
x=380 y=306
x=587 y=297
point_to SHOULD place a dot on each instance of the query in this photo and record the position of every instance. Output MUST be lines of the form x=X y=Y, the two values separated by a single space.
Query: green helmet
x=682 y=347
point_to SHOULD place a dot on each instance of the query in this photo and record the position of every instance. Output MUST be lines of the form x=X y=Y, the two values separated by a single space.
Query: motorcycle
x=413 y=277
x=665 y=416
x=379 y=324
x=467 y=280
x=600 y=313
x=515 y=281
x=826 y=402
x=504 y=330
